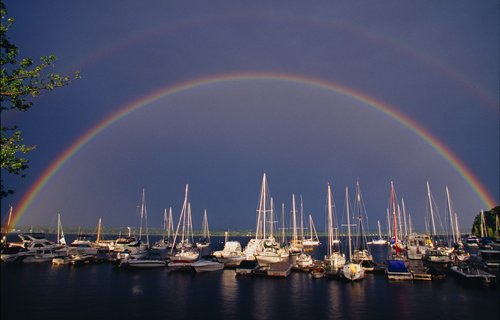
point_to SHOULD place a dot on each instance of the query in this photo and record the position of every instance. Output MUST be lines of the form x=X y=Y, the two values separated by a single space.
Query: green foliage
x=21 y=80
x=490 y=219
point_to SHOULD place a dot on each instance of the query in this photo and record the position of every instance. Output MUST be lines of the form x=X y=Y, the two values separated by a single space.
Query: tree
x=21 y=81
x=490 y=218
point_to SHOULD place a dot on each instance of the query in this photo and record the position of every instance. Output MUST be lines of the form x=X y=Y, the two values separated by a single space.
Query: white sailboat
x=334 y=260
x=440 y=254
x=396 y=267
x=61 y=240
x=163 y=243
x=457 y=247
x=362 y=252
x=268 y=250
x=131 y=246
x=186 y=253
x=313 y=239
x=205 y=240
x=380 y=240
x=295 y=246
x=351 y=271
x=303 y=260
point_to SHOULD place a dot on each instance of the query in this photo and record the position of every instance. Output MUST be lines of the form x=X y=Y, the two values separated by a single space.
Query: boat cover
x=396 y=266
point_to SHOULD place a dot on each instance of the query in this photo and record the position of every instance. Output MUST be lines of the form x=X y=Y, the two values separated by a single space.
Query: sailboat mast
x=183 y=213
x=190 y=224
x=283 y=223
x=146 y=220
x=348 y=222
x=457 y=230
x=301 y=219
x=262 y=207
x=98 y=231
x=206 y=226
x=294 y=221
x=330 y=222
x=404 y=216
x=142 y=215
x=399 y=221
x=271 y=220
x=58 y=227
x=359 y=240
x=393 y=201
x=452 y=225
x=164 y=223
x=388 y=224
x=170 y=227
x=410 y=230
x=431 y=209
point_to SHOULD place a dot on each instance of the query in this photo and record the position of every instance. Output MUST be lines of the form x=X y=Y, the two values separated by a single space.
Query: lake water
x=101 y=291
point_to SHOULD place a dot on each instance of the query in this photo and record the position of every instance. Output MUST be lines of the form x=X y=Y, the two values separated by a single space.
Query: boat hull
x=145 y=263
x=353 y=272
x=207 y=266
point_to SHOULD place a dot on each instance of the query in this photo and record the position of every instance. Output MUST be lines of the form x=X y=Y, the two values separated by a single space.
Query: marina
x=231 y=292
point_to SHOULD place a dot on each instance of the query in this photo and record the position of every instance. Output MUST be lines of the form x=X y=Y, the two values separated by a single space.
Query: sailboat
x=379 y=240
x=303 y=260
x=334 y=261
x=362 y=252
x=61 y=240
x=313 y=239
x=458 y=251
x=267 y=250
x=103 y=245
x=352 y=270
x=396 y=267
x=163 y=243
x=186 y=253
x=130 y=246
x=440 y=254
x=295 y=246
x=205 y=240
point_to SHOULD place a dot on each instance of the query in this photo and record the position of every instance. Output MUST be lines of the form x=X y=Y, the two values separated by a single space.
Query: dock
x=280 y=269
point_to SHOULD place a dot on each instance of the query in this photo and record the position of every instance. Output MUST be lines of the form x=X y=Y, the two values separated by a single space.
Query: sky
x=221 y=92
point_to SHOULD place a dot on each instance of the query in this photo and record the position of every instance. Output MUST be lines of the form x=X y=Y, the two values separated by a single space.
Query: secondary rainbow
x=410 y=124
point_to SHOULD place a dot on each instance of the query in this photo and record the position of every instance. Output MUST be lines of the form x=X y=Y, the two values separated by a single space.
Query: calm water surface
x=101 y=291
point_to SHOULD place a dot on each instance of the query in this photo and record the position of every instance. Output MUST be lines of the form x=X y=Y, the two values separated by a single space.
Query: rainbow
x=410 y=124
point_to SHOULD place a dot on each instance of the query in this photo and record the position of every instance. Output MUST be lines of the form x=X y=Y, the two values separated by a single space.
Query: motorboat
x=82 y=245
x=417 y=245
x=41 y=255
x=231 y=254
x=318 y=272
x=205 y=264
x=468 y=274
x=246 y=267
x=12 y=253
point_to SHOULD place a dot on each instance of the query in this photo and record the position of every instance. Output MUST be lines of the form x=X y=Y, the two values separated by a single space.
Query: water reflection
x=229 y=294
x=263 y=297
x=334 y=310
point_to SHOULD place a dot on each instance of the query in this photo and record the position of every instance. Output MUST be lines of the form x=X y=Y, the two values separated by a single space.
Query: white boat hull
x=353 y=272
x=206 y=266
x=264 y=259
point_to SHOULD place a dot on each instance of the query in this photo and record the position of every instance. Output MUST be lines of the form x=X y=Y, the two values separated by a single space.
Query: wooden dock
x=280 y=269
